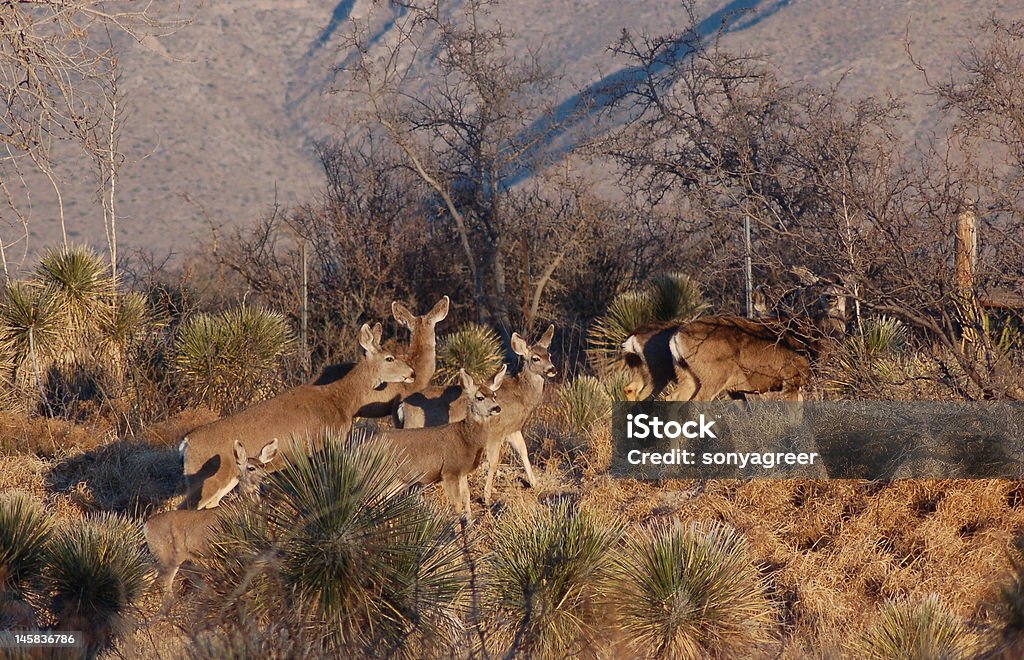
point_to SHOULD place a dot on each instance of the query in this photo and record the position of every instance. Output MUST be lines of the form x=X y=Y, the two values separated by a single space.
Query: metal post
x=305 y=309
x=749 y=268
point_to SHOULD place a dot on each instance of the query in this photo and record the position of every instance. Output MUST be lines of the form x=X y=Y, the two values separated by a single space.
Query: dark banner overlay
x=878 y=440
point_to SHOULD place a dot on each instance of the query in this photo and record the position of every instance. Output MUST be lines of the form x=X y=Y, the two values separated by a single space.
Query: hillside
x=223 y=113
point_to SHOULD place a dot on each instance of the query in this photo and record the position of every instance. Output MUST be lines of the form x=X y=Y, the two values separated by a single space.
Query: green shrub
x=475 y=348
x=367 y=569
x=95 y=570
x=546 y=577
x=24 y=533
x=688 y=592
x=226 y=360
x=916 y=631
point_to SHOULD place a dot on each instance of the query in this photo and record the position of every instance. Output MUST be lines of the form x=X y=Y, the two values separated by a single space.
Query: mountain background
x=223 y=114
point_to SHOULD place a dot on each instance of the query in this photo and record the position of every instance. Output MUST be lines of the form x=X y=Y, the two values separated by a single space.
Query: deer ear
x=467 y=381
x=519 y=345
x=269 y=451
x=402 y=314
x=439 y=311
x=378 y=333
x=545 y=339
x=241 y=456
x=498 y=377
x=366 y=339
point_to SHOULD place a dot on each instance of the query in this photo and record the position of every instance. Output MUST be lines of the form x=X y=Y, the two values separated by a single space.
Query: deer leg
x=464 y=488
x=453 y=492
x=166 y=582
x=493 y=456
x=518 y=442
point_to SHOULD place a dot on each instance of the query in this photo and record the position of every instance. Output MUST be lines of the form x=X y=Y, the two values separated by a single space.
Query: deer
x=180 y=535
x=519 y=398
x=421 y=356
x=714 y=355
x=306 y=411
x=448 y=453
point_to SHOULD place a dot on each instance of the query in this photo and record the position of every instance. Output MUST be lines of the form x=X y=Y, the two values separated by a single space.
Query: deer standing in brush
x=714 y=355
x=519 y=398
x=421 y=356
x=294 y=417
x=448 y=453
x=177 y=536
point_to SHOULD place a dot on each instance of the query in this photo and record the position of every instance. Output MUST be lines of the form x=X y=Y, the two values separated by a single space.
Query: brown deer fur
x=294 y=416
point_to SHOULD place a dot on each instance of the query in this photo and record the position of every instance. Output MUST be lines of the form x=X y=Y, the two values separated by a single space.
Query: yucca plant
x=33 y=334
x=684 y=591
x=95 y=570
x=920 y=630
x=585 y=402
x=226 y=360
x=475 y=348
x=871 y=358
x=24 y=533
x=546 y=576
x=672 y=297
x=81 y=282
x=367 y=569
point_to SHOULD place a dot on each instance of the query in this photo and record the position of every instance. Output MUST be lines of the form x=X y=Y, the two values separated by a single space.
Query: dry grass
x=833 y=553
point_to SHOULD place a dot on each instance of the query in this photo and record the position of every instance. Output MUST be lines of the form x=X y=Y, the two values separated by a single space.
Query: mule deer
x=714 y=355
x=177 y=536
x=448 y=453
x=519 y=397
x=306 y=411
x=422 y=357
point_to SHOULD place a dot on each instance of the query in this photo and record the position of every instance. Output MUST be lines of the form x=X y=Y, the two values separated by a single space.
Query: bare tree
x=470 y=130
x=58 y=77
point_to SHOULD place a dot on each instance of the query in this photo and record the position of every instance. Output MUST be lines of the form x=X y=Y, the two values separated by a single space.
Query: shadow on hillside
x=125 y=476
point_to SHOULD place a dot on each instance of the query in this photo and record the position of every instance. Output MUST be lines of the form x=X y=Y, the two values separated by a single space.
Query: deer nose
x=496 y=409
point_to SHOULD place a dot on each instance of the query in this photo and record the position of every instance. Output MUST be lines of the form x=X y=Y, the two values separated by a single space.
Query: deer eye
x=479 y=397
x=536 y=359
x=389 y=358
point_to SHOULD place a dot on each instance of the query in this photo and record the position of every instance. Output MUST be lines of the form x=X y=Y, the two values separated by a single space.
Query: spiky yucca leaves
x=917 y=631
x=870 y=359
x=24 y=533
x=672 y=297
x=473 y=347
x=585 y=402
x=546 y=577
x=688 y=592
x=33 y=334
x=1011 y=605
x=80 y=280
x=367 y=568
x=228 y=359
x=95 y=570
x=676 y=297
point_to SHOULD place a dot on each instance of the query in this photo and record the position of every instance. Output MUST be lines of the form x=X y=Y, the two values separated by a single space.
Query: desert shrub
x=81 y=283
x=24 y=533
x=671 y=297
x=228 y=359
x=367 y=569
x=475 y=348
x=916 y=631
x=870 y=359
x=546 y=576
x=95 y=570
x=1010 y=606
x=32 y=334
x=691 y=592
